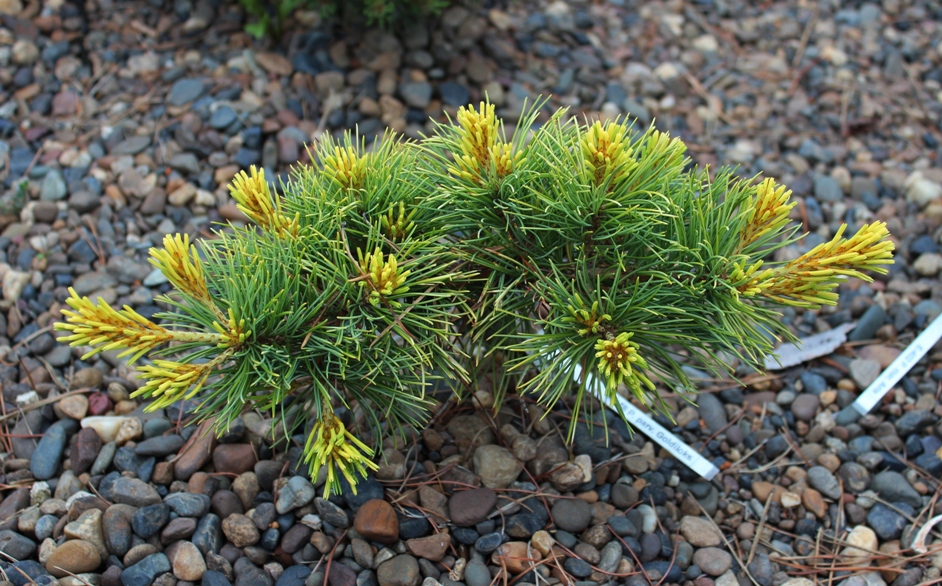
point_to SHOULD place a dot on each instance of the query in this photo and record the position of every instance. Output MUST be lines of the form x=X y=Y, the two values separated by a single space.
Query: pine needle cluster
x=535 y=258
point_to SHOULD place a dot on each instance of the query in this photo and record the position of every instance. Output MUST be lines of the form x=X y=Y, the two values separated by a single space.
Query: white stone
x=706 y=44
x=13 y=283
x=836 y=56
x=584 y=461
x=798 y=582
x=130 y=429
x=861 y=541
x=790 y=500
x=27 y=398
x=648 y=518
x=106 y=427
x=182 y=195
x=82 y=494
x=144 y=63
x=928 y=264
x=39 y=493
x=45 y=550
x=25 y=52
x=483 y=399
x=666 y=70
x=312 y=521
x=204 y=198
x=921 y=190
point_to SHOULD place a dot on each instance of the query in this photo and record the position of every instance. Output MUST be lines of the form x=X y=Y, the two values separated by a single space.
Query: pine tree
x=537 y=258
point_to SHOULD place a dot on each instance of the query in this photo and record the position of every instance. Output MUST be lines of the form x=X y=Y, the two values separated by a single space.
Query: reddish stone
x=234 y=458
x=376 y=520
x=99 y=404
x=84 y=450
x=65 y=103
x=341 y=575
x=196 y=453
x=432 y=547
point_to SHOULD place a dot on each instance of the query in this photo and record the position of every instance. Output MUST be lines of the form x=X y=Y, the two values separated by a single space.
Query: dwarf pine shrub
x=534 y=259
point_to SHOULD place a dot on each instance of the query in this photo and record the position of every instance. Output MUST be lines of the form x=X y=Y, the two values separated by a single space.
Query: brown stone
x=17 y=501
x=73 y=557
x=154 y=202
x=401 y=570
x=225 y=503
x=296 y=538
x=274 y=63
x=516 y=556
x=762 y=490
x=755 y=401
x=376 y=520
x=87 y=378
x=434 y=503
x=432 y=547
x=234 y=458
x=240 y=530
x=197 y=452
x=470 y=507
x=700 y=532
x=163 y=473
x=177 y=529
x=186 y=560
x=198 y=483
x=885 y=355
x=890 y=561
x=73 y=406
x=468 y=429
x=814 y=502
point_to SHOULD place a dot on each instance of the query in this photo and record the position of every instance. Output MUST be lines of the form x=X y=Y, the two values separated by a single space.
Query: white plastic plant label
x=670 y=442
x=899 y=367
x=642 y=422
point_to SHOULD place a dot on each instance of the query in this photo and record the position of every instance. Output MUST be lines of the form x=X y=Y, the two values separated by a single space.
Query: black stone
x=367 y=489
x=214 y=578
x=577 y=567
x=145 y=571
x=48 y=455
x=269 y=539
x=33 y=571
x=159 y=446
x=252 y=576
x=126 y=460
x=465 y=535
x=672 y=572
x=622 y=526
x=412 y=527
x=208 y=535
x=149 y=520
x=885 y=522
x=930 y=463
x=293 y=576
x=188 y=505
x=524 y=525
x=488 y=543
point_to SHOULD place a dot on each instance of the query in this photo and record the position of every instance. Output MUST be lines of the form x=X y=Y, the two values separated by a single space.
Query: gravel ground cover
x=128 y=119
